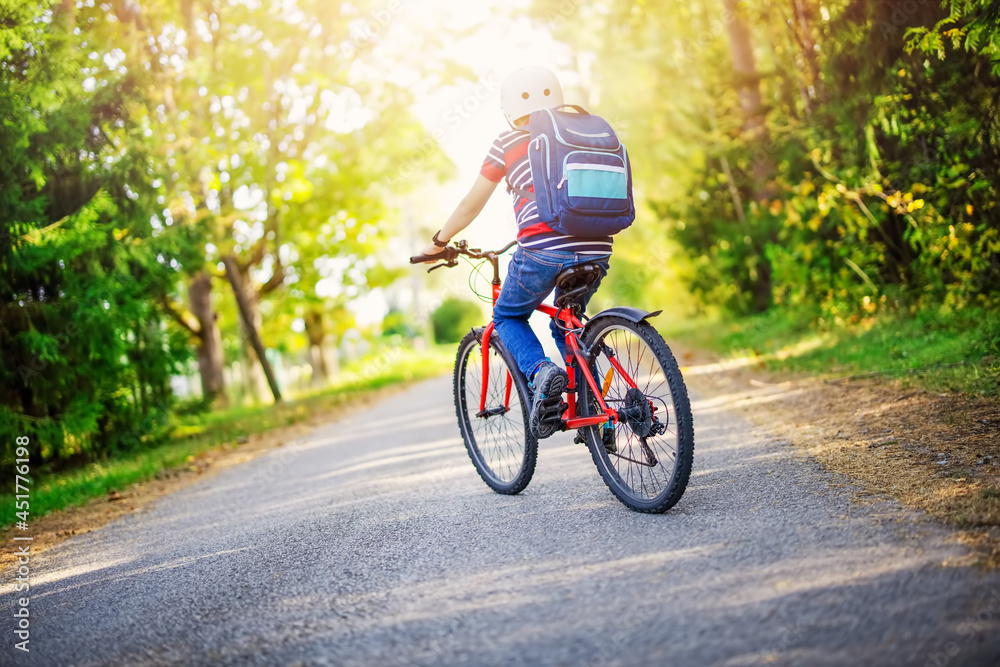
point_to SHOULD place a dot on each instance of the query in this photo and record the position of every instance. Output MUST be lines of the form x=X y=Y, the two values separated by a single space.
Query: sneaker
x=546 y=411
x=607 y=438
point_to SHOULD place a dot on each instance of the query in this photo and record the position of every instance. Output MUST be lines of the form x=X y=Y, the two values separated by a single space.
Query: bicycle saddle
x=576 y=280
x=581 y=275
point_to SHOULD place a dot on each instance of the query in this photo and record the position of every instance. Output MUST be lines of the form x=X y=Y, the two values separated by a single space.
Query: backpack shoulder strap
x=524 y=194
x=530 y=196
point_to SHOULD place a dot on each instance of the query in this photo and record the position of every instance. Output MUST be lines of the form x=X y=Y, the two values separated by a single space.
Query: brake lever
x=441 y=266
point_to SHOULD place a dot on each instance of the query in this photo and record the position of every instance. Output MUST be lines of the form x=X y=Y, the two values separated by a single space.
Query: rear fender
x=636 y=315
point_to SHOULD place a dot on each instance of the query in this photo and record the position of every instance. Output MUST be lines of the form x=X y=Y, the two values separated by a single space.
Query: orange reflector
x=607 y=382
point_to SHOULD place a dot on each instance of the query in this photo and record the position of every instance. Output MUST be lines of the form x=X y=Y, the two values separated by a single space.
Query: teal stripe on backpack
x=596 y=183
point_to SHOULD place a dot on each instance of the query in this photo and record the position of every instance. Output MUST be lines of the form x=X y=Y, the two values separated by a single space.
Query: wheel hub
x=637 y=413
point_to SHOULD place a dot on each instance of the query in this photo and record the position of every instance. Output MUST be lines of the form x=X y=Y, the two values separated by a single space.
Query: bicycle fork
x=484 y=342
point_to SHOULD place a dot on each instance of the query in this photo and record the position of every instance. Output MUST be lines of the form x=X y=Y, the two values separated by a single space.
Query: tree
x=201 y=322
x=86 y=359
x=290 y=144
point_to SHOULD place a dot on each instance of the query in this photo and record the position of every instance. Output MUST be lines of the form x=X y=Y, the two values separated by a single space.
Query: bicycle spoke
x=498 y=438
x=632 y=461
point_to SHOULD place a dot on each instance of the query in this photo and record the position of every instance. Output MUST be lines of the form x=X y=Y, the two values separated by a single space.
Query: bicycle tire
x=630 y=446
x=500 y=446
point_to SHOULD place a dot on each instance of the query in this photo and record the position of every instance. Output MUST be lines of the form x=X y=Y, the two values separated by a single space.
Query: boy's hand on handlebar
x=431 y=250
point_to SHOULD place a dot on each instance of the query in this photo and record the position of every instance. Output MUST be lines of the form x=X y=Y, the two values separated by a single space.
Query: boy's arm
x=466 y=211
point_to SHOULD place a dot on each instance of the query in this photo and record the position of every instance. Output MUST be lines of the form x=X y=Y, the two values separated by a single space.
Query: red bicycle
x=625 y=397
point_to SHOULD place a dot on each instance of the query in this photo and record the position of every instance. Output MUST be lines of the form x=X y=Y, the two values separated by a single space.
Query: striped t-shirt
x=509 y=157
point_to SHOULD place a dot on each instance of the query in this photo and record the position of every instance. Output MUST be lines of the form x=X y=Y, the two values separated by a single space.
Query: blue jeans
x=530 y=278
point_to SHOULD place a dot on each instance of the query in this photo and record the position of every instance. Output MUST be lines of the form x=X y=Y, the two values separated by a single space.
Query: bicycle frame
x=574 y=353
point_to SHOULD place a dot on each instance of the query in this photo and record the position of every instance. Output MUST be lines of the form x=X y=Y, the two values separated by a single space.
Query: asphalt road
x=372 y=541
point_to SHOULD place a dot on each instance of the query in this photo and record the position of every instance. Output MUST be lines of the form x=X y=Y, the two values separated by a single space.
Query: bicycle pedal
x=579 y=439
x=554 y=410
x=550 y=404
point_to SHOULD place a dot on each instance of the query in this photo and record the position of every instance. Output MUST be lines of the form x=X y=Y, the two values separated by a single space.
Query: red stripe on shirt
x=539 y=228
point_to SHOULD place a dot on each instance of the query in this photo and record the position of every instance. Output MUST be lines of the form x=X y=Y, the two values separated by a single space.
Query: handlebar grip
x=420 y=259
x=446 y=255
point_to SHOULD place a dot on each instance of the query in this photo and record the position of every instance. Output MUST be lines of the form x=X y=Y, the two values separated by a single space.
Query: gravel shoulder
x=372 y=541
x=938 y=453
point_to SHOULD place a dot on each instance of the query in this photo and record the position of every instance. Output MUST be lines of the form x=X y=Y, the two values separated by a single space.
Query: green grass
x=194 y=434
x=959 y=352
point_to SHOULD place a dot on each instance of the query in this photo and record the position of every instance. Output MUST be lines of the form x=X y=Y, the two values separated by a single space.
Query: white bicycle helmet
x=528 y=90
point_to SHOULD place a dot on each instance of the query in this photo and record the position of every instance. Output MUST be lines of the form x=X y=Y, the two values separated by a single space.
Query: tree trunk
x=66 y=14
x=804 y=13
x=745 y=67
x=317 y=353
x=734 y=192
x=248 y=316
x=755 y=127
x=255 y=382
x=331 y=354
x=762 y=286
x=751 y=102
x=210 y=356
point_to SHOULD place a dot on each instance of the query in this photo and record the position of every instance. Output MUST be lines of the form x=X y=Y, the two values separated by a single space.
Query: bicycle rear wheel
x=498 y=439
x=648 y=462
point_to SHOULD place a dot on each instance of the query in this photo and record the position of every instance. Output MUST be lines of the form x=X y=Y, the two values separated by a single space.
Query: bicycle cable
x=565 y=329
x=477 y=270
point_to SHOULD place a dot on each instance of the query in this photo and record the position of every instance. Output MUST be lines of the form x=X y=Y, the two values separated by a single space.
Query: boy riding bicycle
x=541 y=253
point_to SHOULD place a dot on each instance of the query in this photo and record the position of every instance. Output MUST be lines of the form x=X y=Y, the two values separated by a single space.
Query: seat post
x=575 y=281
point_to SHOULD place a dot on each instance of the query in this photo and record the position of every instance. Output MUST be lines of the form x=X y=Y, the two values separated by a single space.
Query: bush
x=395 y=324
x=453 y=319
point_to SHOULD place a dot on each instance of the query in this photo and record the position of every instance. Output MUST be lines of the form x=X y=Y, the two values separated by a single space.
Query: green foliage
x=85 y=356
x=140 y=147
x=454 y=318
x=973 y=25
x=395 y=324
x=283 y=157
x=863 y=182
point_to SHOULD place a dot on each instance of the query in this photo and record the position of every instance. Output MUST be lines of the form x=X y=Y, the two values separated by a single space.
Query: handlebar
x=451 y=253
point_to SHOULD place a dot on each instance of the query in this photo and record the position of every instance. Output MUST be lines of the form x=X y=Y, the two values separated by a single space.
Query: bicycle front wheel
x=496 y=436
x=646 y=458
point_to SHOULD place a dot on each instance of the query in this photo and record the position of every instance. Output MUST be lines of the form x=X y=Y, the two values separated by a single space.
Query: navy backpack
x=581 y=173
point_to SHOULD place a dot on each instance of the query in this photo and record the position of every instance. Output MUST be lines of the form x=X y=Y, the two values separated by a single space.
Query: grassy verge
x=909 y=408
x=193 y=435
x=958 y=353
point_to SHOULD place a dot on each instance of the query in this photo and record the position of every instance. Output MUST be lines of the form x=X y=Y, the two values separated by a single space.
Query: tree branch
x=182 y=317
x=277 y=279
x=256 y=254
x=128 y=11
x=246 y=316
